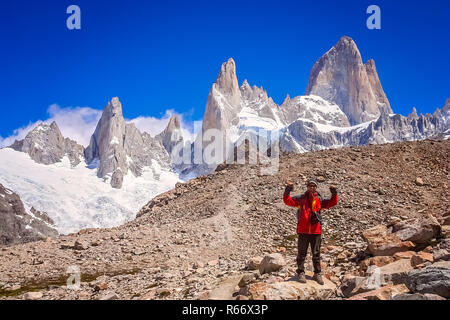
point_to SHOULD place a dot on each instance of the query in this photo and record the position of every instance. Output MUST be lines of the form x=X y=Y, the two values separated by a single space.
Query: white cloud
x=78 y=123
x=154 y=126
x=75 y=123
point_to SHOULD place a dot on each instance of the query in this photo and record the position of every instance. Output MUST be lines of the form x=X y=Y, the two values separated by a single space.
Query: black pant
x=304 y=240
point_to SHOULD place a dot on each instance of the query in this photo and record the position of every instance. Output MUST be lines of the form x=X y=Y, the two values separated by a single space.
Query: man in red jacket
x=309 y=205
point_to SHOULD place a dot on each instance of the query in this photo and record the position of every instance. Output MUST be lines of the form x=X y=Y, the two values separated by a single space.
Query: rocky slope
x=196 y=240
x=341 y=77
x=20 y=225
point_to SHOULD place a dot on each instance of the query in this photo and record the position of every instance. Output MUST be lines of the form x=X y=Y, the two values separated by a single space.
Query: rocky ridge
x=19 y=225
x=118 y=146
x=341 y=77
x=45 y=144
x=196 y=242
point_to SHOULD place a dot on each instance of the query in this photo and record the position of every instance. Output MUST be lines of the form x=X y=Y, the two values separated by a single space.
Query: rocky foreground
x=228 y=235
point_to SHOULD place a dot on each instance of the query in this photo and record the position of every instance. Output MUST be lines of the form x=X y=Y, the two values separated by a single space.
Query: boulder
x=383 y=293
x=378 y=261
x=419 y=181
x=290 y=290
x=395 y=273
x=404 y=255
x=417 y=296
x=225 y=289
x=246 y=279
x=420 y=258
x=32 y=295
x=349 y=283
x=272 y=262
x=441 y=254
x=109 y=296
x=419 y=231
x=442 y=251
x=434 y=279
x=383 y=243
x=253 y=263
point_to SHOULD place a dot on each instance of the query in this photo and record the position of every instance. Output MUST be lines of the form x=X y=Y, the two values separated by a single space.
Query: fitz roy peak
x=340 y=76
x=118 y=146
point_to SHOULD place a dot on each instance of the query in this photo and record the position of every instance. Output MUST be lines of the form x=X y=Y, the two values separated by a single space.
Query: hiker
x=309 y=205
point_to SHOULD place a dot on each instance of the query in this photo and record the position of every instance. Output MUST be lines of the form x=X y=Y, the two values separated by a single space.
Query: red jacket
x=304 y=224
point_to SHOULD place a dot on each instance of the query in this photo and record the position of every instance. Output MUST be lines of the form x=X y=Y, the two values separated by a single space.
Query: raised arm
x=332 y=201
x=287 y=199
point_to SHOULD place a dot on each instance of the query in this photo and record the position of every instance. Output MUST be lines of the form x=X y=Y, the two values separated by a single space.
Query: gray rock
x=45 y=144
x=419 y=231
x=17 y=225
x=272 y=262
x=434 y=279
x=171 y=136
x=441 y=254
x=109 y=296
x=33 y=295
x=118 y=146
x=417 y=296
x=349 y=284
x=341 y=77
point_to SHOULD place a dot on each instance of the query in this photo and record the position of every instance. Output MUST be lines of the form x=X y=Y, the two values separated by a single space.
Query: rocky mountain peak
x=119 y=146
x=339 y=76
x=413 y=114
x=437 y=112
x=174 y=123
x=46 y=145
x=171 y=135
x=286 y=100
x=226 y=81
x=347 y=45
x=224 y=99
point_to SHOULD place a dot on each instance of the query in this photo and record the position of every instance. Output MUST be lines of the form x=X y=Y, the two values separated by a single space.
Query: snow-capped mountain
x=50 y=173
x=107 y=183
x=74 y=197
x=341 y=77
x=45 y=144
x=118 y=146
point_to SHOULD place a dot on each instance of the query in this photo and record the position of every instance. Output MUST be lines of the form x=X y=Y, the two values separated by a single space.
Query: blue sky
x=161 y=55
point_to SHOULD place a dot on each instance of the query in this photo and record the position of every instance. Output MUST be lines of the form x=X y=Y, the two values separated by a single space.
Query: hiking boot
x=301 y=278
x=318 y=278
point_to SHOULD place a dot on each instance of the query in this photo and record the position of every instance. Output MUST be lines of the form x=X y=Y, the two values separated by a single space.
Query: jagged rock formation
x=303 y=136
x=45 y=144
x=118 y=146
x=171 y=135
x=311 y=122
x=341 y=77
x=18 y=225
x=224 y=99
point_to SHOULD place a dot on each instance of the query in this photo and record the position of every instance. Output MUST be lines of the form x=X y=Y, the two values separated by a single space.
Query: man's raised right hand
x=289 y=186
